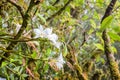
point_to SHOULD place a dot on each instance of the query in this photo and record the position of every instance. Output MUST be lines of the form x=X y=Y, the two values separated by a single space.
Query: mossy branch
x=18 y=7
x=75 y=63
x=114 y=70
x=23 y=27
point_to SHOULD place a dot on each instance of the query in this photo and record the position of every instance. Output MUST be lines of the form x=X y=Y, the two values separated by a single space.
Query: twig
x=59 y=11
x=3 y=49
x=72 y=39
x=15 y=72
x=4 y=57
x=116 y=9
x=84 y=39
x=57 y=1
x=23 y=40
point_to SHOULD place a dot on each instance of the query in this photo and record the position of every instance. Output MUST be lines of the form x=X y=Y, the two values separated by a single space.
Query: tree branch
x=59 y=11
x=56 y=2
x=114 y=69
x=23 y=27
x=23 y=40
x=109 y=9
x=18 y=7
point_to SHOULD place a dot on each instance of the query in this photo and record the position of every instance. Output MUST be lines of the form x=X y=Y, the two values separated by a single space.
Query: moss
x=98 y=75
x=32 y=67
x=87 y=66
x=81 y=74
x=114 y=69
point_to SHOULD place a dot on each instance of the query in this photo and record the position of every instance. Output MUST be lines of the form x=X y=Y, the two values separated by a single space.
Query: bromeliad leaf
x=106 y=22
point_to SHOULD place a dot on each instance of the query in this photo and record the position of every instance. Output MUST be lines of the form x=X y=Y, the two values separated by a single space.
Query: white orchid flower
x=57 y=44
x=40 y=28
x=39 y=32
x=60 y=61
x=53 y=37
x=47 y=33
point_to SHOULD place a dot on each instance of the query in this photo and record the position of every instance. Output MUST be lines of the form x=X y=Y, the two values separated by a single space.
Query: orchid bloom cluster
x=47 y=33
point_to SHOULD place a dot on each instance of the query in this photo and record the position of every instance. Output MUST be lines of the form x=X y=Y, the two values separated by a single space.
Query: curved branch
x=18 y=7
x=59 y=12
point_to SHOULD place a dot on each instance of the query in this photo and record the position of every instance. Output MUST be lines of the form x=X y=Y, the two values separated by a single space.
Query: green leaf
x=65 y=51
x=24 y=75
x=34 y=55
x=0 y=22
x=17 y=68
x=100 y=3
x=46 y=67
x=48 y=52
x=114 y=49
x=42 y=19
x=116 y=28
x=4 y=64
x=106 y=22
x=85 y=17
x=12 y=60
x=93 y=24
x=99 y=59
x=12 y=77
x=114 y=36
x=99 y=46
x=79 y=2
x=96 y=15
